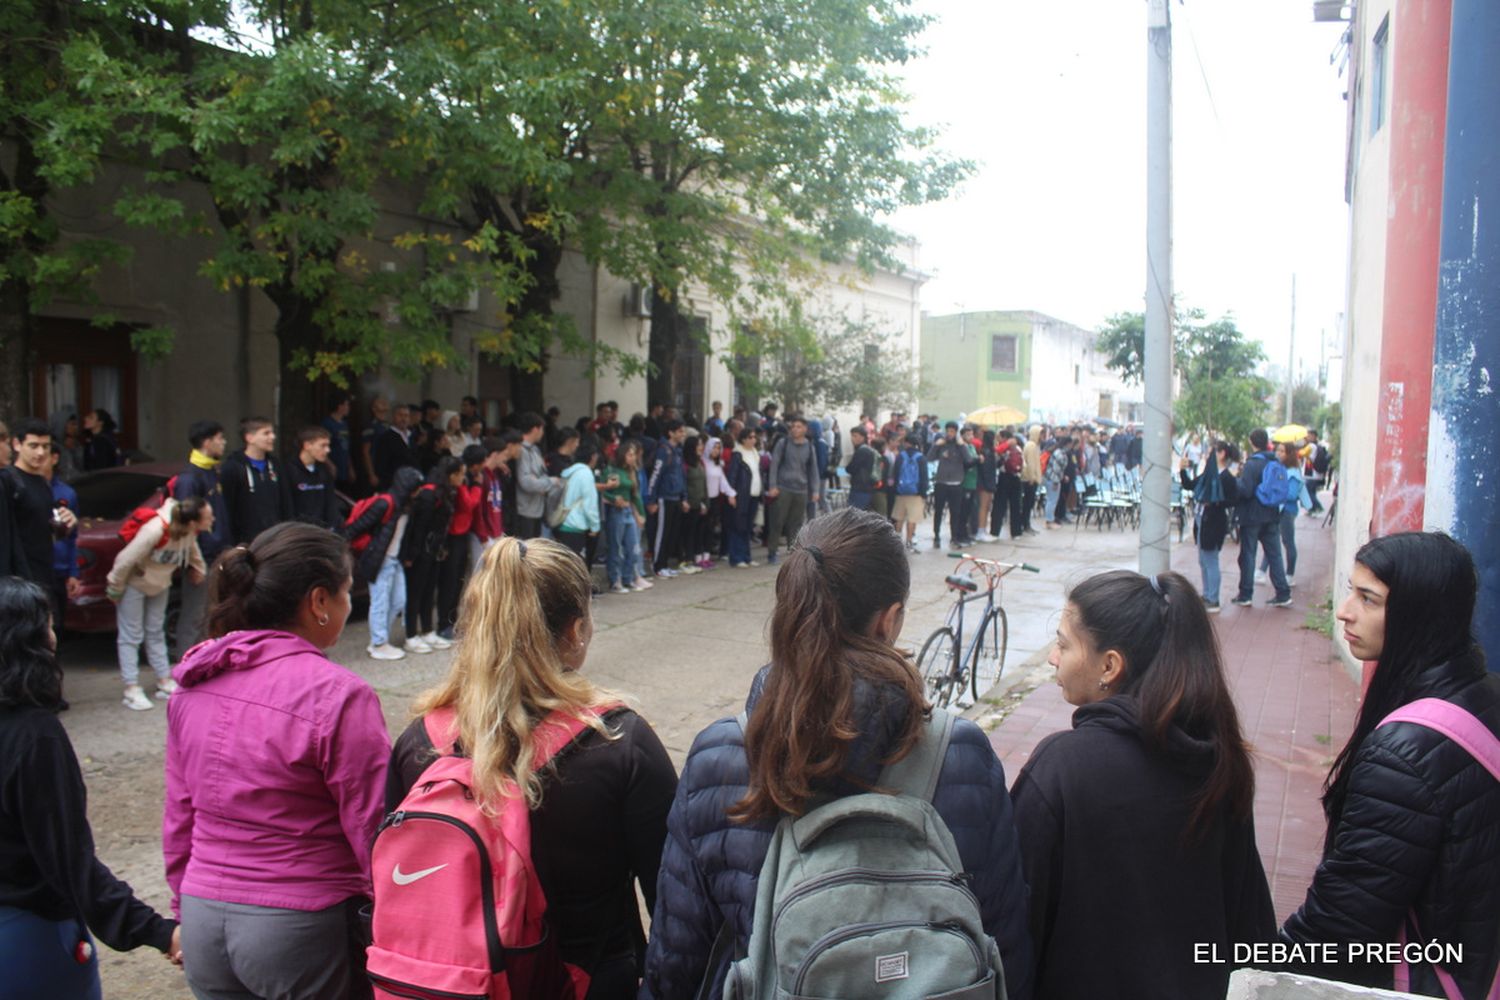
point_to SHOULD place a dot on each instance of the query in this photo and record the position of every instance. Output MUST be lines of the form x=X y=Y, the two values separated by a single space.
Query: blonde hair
x=508 y=674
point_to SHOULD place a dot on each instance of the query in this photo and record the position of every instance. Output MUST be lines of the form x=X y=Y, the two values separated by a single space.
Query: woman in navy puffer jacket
x=840 y=601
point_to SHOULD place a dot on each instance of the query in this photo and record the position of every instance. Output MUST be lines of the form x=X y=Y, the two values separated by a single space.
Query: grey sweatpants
x=235 y=951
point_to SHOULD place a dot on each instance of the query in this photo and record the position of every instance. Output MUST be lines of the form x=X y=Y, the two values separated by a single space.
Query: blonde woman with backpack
x=838 y=705
x=597 y=807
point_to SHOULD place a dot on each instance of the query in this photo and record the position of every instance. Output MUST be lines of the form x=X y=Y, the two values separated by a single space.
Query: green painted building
x=971 y=360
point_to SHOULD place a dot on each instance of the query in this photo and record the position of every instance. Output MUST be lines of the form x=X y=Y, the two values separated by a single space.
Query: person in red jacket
x=467 y=497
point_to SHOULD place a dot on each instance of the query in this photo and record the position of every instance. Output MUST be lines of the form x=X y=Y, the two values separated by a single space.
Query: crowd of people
x=286 y=800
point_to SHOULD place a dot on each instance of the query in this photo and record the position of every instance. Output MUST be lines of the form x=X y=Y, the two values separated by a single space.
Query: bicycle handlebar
x=1005 y=567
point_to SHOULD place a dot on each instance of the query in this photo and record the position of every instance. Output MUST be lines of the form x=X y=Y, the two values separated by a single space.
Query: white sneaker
x=688 y=569
x=1262 y=577
x=416 y=644
x=166 y=687
x=667 y=573
x=984 y=536
x=641 y=583
x=385 y=651
x=618 y=588
x=752 y=562
x=1291 y=581
x=136 y=699
x=436 y=641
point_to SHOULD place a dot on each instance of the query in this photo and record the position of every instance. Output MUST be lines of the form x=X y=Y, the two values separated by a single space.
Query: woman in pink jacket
x=276 y=767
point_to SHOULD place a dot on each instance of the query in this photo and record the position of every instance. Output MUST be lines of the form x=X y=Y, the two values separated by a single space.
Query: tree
x=1221 y=389
x=745 y=173
x=1307 y=401
x=826 y=360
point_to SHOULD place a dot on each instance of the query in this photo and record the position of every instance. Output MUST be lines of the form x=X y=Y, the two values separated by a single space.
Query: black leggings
x=421 y=595
x=452 y=572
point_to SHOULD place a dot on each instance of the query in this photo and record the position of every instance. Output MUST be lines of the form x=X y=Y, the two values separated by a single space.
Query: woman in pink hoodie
x=276 y=768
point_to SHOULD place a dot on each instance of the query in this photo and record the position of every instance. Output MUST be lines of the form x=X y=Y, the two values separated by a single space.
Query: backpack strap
x=1459 y=725
x=917 y=773
x=1464 y=728
x=551 y=737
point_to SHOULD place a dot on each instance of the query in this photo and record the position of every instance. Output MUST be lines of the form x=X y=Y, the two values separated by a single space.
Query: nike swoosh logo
x=401 y=878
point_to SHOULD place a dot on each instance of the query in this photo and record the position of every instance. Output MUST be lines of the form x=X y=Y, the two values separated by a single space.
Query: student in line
x=837 y=702
x=1136 y=824
x=275 y=766
x=1214 y=491
x=598 y=810
x=1412 y=851
x=55 y=894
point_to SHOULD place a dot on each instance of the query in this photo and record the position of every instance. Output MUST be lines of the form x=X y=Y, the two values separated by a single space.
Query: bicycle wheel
x=989 y=657
x=935 y=664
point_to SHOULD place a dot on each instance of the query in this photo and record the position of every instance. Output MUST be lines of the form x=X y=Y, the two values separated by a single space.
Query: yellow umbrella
x=997 y=415
x=1291 y=432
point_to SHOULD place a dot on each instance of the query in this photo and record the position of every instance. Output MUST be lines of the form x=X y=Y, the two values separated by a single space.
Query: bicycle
x=946 y=665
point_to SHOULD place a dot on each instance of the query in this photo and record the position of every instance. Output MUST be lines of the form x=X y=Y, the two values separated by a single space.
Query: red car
x=105 y=499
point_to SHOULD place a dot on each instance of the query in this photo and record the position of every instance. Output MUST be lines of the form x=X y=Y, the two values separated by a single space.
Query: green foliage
x=1221 y=390
x=1307 y=401
x=825 y=360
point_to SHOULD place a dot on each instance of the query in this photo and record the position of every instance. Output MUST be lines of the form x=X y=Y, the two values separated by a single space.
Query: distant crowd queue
x=838 y=838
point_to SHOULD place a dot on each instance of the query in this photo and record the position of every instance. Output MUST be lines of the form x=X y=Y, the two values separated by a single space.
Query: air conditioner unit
x=638 y=302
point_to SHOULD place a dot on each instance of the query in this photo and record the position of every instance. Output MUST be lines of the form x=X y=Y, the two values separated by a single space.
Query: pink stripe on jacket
x=276 y=763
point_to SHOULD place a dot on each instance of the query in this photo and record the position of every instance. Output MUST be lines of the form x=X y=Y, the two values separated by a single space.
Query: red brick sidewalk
x=1295 y=700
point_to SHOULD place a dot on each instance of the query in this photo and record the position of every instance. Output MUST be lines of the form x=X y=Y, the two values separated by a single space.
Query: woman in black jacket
x=1136 y=824
x=1412 y=851
x=53 y=890
x=599 y=808
x=837 y=702
x=1215 y=491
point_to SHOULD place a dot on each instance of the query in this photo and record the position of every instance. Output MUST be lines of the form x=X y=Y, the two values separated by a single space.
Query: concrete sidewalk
x=1296 y=702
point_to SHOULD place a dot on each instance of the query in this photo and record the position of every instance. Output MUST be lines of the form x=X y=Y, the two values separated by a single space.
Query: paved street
x=684 y=653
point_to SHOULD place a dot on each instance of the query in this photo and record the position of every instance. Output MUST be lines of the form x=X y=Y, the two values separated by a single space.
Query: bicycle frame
x=967 y=655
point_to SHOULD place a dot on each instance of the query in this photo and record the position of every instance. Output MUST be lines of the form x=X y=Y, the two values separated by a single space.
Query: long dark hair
x=1429 y=619
x=847 y=567
x=29 y=674
x=261 y=585
x=1174 y=670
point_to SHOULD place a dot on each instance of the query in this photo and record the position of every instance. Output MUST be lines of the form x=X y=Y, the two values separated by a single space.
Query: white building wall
x=1369 y=194
x=1068 y=376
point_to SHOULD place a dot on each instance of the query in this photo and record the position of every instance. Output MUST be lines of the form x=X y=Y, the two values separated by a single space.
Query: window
x=1077 y=374
x=1380 y=53
x=1002 y=353
x=688 y=367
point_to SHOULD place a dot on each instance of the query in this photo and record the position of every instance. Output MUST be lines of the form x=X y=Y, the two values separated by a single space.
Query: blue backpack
x=1275 y=488
x=908 y=483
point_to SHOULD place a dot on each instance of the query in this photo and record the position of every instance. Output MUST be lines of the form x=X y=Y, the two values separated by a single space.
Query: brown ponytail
x=848 y=567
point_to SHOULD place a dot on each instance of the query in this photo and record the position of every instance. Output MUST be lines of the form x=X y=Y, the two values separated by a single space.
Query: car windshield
x=112 y=496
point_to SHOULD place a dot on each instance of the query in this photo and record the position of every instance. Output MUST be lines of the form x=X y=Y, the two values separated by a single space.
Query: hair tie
x=1155 y=582
x=521 y=547
x=816 y=553
x=249 y=556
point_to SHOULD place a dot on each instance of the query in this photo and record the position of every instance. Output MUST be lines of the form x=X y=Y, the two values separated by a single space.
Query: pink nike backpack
x=459 y=911
x=1462 y=728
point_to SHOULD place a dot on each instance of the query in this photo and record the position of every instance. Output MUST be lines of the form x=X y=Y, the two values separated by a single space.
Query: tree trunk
x=527 y=388
x=296 y=398
x=15 y=352
x=666 y=323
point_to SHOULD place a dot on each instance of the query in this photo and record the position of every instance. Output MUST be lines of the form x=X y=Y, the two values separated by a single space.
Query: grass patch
x=1319 y=616
x=1323 y=739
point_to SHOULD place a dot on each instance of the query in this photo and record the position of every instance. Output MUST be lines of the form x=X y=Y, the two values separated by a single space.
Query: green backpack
x=865 y=897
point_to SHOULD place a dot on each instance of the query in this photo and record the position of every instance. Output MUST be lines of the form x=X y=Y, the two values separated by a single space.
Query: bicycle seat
x=962 y=583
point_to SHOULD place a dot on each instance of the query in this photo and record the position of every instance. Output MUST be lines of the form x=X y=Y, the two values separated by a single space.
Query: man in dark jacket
x=393 y=448
x=863 y=468
x=254 y=497
x=29 y=497
x=951 y=457
x=711 y=864
x=1260 y=524
x=201 y=479
x=311 y=495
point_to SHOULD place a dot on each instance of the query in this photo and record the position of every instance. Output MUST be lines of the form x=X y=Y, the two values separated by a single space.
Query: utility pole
x=1291 y=356
x=1156 y=457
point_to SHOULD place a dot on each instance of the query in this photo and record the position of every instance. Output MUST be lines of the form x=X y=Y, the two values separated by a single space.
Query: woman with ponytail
x=1412 y=851
x=275 y=768
x=598 y=808
x=836 y=704
x=1136 y=824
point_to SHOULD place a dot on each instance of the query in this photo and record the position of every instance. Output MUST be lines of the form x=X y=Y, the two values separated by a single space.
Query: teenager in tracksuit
x=666 y=496
x=311 y=494
x=422 y=553
x=254 y=497
x=201 y=479
x=951 y=456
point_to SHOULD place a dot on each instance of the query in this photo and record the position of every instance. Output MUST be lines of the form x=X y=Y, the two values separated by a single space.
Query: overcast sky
x=1048 y=98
